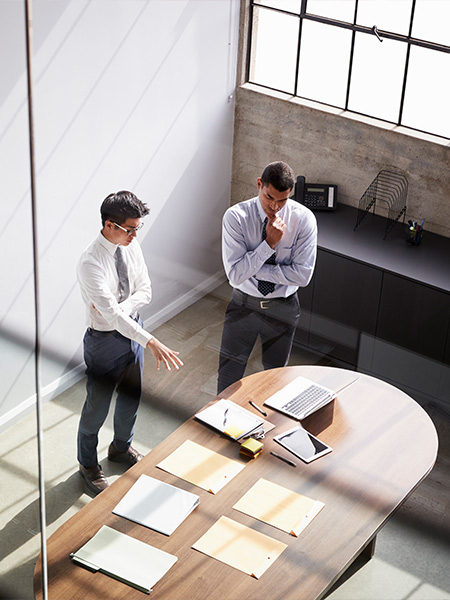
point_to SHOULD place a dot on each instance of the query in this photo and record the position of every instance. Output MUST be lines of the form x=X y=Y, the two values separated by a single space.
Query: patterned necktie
x=122 y=272
x=266 y=287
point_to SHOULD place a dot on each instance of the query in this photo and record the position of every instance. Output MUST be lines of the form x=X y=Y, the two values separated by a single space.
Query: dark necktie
x=266 y=287
x=122 y=272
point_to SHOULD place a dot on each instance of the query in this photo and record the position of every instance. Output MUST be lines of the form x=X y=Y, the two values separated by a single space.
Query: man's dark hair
x=280 y=175
x=121 y=206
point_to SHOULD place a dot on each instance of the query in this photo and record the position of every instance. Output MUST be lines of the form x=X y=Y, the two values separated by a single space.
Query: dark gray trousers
x=248 y=317
x=113 y=363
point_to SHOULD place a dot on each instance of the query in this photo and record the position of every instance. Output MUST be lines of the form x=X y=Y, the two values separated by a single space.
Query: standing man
x=269 y=246
x=114 y=284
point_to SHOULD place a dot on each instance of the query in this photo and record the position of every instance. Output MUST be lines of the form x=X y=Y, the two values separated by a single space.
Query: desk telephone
x=316 y=196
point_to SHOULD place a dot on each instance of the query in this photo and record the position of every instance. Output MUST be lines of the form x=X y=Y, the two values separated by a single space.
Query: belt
x=263 y=303
x=110 y=331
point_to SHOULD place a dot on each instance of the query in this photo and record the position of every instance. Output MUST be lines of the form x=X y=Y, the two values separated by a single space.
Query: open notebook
x=230 y=418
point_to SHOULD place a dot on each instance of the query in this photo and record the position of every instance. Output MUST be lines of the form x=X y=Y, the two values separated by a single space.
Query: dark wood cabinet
x=414 y=316
x=380 y=306
x=345 y=302
x=444 y=380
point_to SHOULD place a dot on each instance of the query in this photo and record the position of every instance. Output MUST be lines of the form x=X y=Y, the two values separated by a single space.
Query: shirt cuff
x=143 y=337
x=264 y=251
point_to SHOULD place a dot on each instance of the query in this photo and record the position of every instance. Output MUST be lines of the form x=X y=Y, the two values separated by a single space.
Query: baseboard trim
x=184 y=301
x=50 y=391
x=60 y=385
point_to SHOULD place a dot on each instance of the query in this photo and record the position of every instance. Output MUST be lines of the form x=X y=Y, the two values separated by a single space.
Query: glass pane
x=377 y=77
x=292 y=6
x=341 y=10
x=427 y=92
x=274 y=49
x=323 y=75
x=387 y=15
x=432 y=21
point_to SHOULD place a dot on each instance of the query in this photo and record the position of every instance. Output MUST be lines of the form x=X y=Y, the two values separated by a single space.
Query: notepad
x=278 y=506
x=202 y=467
x=120 y=556
x=156 y=504
x=252 y=448
x=240 y=547
x=230 y=419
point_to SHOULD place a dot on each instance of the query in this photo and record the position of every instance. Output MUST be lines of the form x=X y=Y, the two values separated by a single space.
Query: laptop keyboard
x=307 y=399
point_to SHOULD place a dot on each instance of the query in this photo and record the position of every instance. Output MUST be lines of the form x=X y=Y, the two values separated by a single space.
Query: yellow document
x=240 y=547
x=278 y=506
x=201 y=466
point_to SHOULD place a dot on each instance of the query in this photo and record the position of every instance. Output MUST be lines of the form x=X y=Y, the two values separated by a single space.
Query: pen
x=286 y=460
x=263 y=412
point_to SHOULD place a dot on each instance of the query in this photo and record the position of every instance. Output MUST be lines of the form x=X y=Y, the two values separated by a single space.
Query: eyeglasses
x=131 y=230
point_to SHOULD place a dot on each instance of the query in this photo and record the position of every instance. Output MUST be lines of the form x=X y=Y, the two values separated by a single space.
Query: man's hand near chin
x=164 y=355
x=275 y=229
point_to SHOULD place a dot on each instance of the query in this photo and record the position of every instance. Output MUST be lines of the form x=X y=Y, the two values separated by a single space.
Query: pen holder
x=414 y=233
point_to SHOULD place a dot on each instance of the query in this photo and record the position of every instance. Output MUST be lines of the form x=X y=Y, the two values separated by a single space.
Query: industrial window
x=387 y=59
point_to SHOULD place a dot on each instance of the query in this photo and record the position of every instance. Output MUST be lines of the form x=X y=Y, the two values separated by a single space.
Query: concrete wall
x=130 y=94
x=330 y=148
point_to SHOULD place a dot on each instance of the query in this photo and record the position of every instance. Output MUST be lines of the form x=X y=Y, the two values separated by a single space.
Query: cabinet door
x=345 y=304
x=444 y=383
x=411 y=334
x=414 y=316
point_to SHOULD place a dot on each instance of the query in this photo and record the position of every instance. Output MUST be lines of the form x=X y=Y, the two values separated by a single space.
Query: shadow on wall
x=22 y=376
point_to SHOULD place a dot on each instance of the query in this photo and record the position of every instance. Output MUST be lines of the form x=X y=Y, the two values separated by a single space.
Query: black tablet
x=302 y=443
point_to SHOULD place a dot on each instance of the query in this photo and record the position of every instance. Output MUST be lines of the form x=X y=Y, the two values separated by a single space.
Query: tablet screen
x=303 y=444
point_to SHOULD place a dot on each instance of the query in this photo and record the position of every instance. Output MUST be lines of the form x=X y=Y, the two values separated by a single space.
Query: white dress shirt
x=244 y=253
x=99 y=284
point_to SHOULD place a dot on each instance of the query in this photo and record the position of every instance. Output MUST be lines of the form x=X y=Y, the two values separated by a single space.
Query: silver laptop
x=300 y=398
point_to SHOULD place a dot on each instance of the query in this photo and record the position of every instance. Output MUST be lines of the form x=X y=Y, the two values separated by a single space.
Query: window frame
x=355 y=28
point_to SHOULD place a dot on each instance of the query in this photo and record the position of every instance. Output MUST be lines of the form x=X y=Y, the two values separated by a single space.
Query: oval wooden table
x=384 y=445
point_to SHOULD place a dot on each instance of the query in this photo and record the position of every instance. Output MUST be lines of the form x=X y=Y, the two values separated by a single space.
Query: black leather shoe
x=130 y=457
x=95 y=478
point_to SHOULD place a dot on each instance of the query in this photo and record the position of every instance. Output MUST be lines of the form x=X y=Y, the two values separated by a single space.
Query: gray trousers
x=113 y=363
x=246 y=318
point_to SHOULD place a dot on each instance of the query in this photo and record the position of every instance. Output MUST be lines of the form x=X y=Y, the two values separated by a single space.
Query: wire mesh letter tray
x=391 y=189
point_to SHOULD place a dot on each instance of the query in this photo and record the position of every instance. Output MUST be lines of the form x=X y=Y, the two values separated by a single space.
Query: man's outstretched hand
x=164 y=355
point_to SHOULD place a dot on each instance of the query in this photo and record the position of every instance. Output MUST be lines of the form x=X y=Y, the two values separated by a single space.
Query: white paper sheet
x=156 y=504
x=123 y=557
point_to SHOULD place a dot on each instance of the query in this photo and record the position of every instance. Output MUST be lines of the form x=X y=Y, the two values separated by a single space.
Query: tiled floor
x=412 y=556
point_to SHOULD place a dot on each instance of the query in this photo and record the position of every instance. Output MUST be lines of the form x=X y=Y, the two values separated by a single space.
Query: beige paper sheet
x=201 y=466
x=278 y=506
x=240 y=547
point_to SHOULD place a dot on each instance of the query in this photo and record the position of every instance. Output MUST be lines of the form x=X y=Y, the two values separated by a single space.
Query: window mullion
x=350 y=63
x=249 y=43
x=405 y=75
x=300 y=25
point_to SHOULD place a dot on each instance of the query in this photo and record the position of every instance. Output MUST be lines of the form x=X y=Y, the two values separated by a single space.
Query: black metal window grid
x=277 y=7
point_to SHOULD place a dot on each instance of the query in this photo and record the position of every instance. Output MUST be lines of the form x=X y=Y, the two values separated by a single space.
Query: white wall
x=128 y=94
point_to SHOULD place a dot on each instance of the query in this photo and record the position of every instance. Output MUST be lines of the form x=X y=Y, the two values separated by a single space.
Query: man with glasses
x=114 y=284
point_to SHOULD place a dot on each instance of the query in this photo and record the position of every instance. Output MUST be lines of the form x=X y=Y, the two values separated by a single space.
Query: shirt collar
x=109 y=246
x=262 y=214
